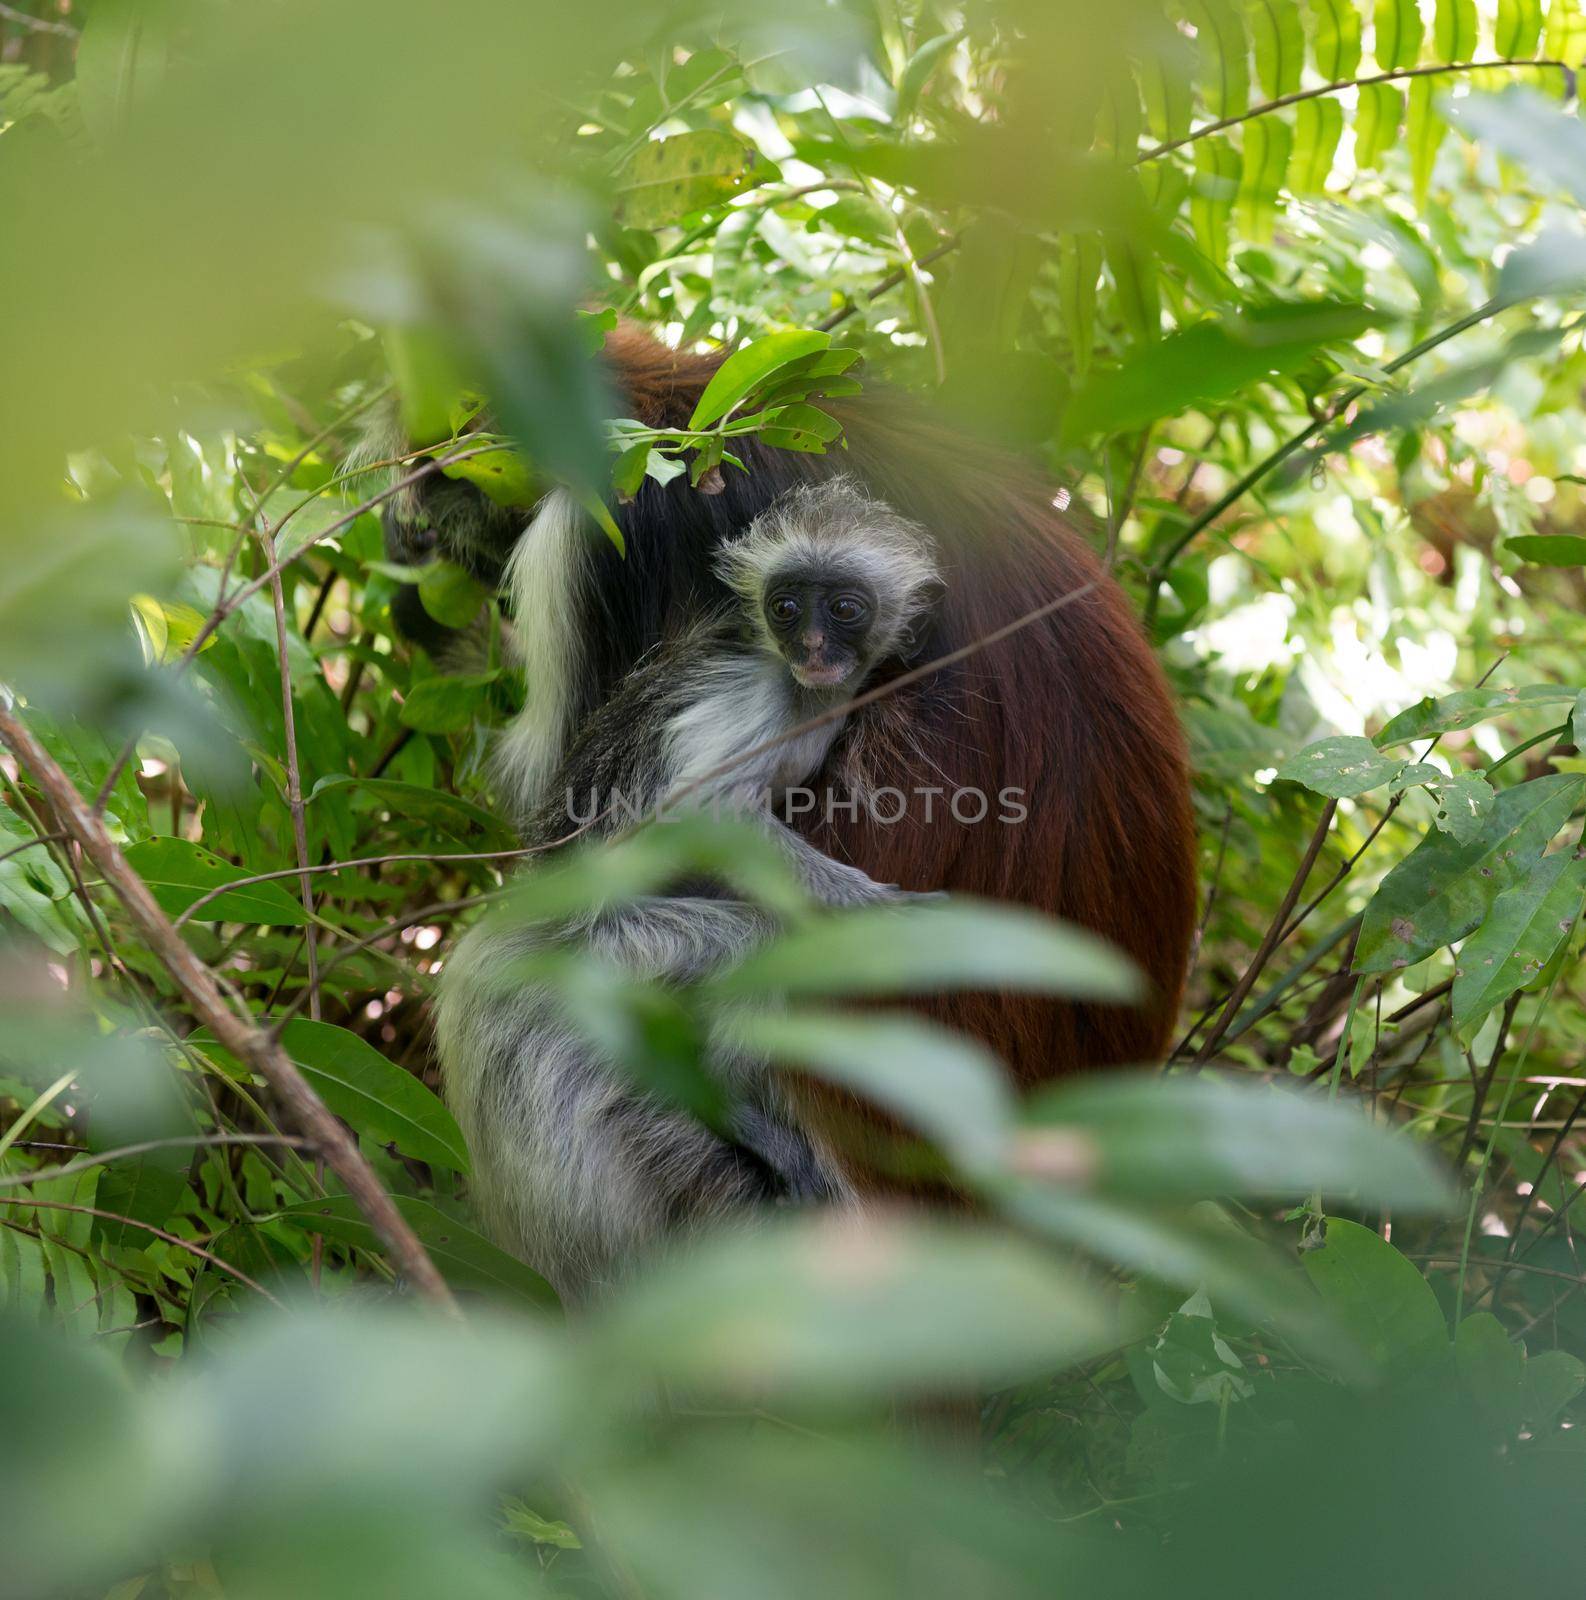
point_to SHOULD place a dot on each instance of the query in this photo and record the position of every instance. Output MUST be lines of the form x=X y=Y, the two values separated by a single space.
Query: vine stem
x=1269 y=463
x=1338 y=86
x=236 y=1031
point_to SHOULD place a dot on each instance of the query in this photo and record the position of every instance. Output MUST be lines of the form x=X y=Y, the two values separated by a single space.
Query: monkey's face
x=823 y=627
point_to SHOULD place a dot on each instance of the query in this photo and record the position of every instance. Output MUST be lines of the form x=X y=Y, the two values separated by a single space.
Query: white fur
x=545 y=575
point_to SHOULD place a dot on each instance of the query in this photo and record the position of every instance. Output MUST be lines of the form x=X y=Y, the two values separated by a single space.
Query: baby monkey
x=575 y=1167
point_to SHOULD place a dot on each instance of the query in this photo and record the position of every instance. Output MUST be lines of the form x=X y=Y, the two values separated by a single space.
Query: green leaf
x=1279 y=43
x=666 y=179
x=1208 y=362
x=1134 y=276
x=1465 y=709
x=629 y=472
x=1218 y=170
x=1318 y=126
x=1379 y=1296
x=1377 y=118
x=1424 y=133
x=1462 y=801
x=1577 y=722
x=917 y=73
x=1491 y=1366
x=931 y=947
x=1399 y=29
x=747 y=369
x=1446 y=887
x=506 y=476
x=1078 y=273
x=1340 y=767
x=121 y=60
x=1552 y=1380
x=1549 y=549
x=446 y=704
x=381 y=1100
x=820 y=1305
x=1518 y=28
x=1454 y=30
x=412 y=802
x=1335 y=40
x=1224 y=56
x=430 y=385
x=948 y=1088
x=179 y=872
x=1268 y=142
x=1157 y=1139
x=467 y=1260
x=34 y=891
x=1533 y=132
x=1518 y=937
x=451 y=594
x=1167 y=87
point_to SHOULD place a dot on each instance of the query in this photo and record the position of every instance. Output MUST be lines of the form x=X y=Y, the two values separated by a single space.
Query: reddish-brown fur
x=1072 y=710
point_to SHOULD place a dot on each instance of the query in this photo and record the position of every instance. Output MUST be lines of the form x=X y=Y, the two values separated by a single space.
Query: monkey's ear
x=931 y=592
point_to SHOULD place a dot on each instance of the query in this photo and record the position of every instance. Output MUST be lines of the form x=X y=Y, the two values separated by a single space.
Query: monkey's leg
x=575 y=1168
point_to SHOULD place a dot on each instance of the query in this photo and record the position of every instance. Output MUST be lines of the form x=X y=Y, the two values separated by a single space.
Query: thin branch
x=159 y=1233
x=99 y=1158
x=1278 y=456
x=28 y=844
x=432 y=858
x=1339 y=87
x=236 y=1031
x=1271 y=939
x=226 y=605
x=294 y=771
x=34 y=24
x=881 y=692
x=891 y=281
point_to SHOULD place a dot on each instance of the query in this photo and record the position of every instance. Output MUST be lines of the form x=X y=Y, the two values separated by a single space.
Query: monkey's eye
x=848 y=609
x=783 y=608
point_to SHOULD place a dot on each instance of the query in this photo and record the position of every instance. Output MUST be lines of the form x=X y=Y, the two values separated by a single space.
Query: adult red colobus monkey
x=1072 y=711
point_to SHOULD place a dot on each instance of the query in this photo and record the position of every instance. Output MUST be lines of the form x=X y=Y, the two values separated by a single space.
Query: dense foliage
x=1287 y=302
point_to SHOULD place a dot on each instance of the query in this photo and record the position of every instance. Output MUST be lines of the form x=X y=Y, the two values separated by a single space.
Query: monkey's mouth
x=820 y=675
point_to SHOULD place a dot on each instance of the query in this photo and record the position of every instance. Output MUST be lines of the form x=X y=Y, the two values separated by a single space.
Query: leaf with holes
x=179 y=872
x=1519 y=936
x=1462 y=801
x=666 y=179
x=1340 y=767
x=1445 y=887
x=1465 y=709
